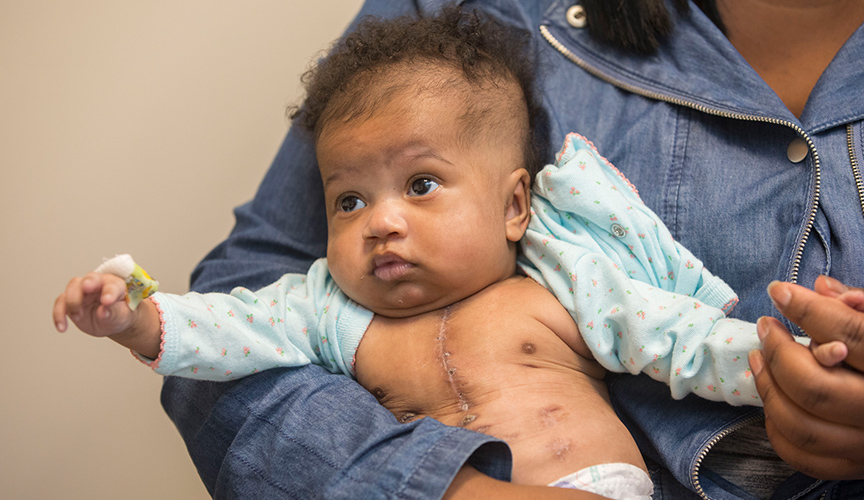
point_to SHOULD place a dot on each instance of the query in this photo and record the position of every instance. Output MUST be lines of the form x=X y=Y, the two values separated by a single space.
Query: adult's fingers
x=835 y=394
x=801 y=416
x=829 y=467
x=801 y=428
x=828 y=286
x=823 y=318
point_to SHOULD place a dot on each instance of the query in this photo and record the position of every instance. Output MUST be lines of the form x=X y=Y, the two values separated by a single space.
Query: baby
x=425 y=134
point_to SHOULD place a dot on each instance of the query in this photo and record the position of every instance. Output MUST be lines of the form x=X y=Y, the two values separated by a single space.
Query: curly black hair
x=484 y=54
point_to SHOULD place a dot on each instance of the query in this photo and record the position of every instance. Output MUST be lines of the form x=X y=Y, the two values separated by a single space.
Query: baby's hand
x=96 y=304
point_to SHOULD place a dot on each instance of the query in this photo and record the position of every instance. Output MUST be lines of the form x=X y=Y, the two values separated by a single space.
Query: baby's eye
x=351 y=203
x=422 y=186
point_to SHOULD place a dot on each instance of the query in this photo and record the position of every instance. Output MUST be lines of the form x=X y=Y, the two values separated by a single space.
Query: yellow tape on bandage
x=139 y=284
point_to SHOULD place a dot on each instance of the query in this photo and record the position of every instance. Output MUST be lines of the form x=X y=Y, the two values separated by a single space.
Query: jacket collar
x=698 y=67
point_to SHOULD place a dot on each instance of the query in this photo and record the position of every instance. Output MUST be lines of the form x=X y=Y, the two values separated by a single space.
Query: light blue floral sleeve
x=642 y=302
x=297 y=320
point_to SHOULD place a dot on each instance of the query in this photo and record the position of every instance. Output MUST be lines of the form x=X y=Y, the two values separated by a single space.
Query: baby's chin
x=403 y=310
x=407 y=305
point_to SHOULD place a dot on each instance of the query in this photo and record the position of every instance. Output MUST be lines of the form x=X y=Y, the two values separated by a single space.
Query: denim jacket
x=713 y=151
x=710 y=144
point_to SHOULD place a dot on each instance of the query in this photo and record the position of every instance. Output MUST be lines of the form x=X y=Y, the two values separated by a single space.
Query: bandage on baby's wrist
x=139 y=284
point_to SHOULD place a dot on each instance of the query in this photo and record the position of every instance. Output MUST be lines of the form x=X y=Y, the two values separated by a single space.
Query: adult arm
x=471 y=484
x=307 y=433
x=813 y=414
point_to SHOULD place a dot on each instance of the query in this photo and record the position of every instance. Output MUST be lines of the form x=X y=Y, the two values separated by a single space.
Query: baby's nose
x=386 y=219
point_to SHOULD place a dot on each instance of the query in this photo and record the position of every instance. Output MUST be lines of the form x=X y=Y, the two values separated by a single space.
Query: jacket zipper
x=859 y=183
x=814 y=202
x=694 y=473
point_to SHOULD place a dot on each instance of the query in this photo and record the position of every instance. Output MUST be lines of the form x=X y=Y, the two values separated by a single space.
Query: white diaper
x=615 y=481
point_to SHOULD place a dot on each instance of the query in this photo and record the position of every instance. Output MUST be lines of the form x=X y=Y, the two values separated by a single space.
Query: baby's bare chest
x=474 y=358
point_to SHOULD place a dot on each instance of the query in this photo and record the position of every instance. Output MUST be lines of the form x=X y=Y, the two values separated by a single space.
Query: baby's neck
x=418 y=311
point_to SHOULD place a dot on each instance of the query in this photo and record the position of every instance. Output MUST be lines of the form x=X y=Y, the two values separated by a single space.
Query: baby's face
x=416 y=215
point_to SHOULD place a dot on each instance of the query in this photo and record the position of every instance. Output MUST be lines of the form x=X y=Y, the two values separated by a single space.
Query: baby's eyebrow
x=429 y=155
x=338 y=174
x=403 y=154
x=414 y=151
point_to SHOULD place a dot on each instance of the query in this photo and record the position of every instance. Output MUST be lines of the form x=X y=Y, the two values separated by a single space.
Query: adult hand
x=813 y=413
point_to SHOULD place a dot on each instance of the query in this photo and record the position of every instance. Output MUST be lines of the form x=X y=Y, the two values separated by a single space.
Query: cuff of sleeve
x=166 y=350
x=443 y=461
x=353 y=322
x=427 y=474
x=154 y=363
x=716 y=293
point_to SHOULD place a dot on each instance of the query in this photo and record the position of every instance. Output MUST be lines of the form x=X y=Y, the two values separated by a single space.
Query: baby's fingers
x=82 y=300
x=829 y=354
x=69 y=302
x=108 y=288
x=59 y=313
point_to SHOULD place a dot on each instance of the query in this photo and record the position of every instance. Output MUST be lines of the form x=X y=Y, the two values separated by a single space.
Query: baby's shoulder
x=521 y=292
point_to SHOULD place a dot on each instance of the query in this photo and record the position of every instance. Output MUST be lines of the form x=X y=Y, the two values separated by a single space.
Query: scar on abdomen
x=528 y=348
x=560 y=448
x=549 y=416
x=467 y=419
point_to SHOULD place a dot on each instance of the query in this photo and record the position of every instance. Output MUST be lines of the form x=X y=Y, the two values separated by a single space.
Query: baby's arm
x=643 y=303
x=96 y=304
x=297 y=320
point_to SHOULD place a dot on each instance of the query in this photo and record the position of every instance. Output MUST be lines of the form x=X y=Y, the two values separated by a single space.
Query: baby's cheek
x=336 y=262
x=350 y=274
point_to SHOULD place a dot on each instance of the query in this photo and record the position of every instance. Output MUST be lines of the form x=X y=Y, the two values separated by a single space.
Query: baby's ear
x=518 y=210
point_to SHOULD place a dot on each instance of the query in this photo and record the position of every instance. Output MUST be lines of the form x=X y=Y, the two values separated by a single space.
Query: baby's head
x=425 y=137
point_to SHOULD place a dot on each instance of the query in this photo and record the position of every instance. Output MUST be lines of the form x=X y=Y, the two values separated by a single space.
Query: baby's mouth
x=390 y=267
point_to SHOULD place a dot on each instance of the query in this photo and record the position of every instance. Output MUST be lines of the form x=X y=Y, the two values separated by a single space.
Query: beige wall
x=124 y=127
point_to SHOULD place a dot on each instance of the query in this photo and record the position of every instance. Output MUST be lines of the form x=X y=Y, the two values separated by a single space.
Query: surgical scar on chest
x=403 y=417
x=450 y=369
